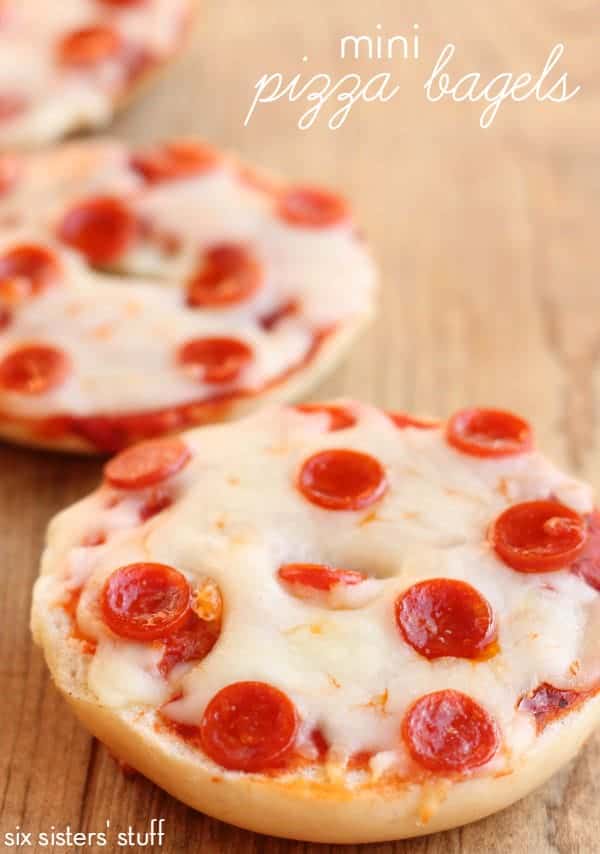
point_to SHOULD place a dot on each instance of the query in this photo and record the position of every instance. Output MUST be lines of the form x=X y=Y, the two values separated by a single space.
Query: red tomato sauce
x=70 y=608
x=108 y=434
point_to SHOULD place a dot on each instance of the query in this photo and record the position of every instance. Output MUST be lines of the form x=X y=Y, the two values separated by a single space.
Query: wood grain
x=488 y=247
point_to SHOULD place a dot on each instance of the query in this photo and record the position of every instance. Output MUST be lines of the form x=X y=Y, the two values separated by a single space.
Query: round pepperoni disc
x=318 y=576
x=147 y=464
x=175 y=160
x=402 y=420
x=489 y=433
x=33 y=369
x=5 y=318
x=447 y=731
x=587 y=565
x=145 y=601
x=229 y=274
x=339 y=418
x=444 y=617
x=342 y=480
x=101 y=228
x=310 y=207
x=538 y=536
x=249 y=726
x=34 y=266
x=215 y=360
x=89 y=46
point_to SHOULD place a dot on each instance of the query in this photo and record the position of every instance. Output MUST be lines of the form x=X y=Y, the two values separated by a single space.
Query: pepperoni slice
x=249 y=726
x=342 y=480
x=147 y=464
x=444 y=617
x=101 y=228
x=192 y=641
x=538 y=536
x=547 y=703
x=587 y=565
x=489 y=433
x=33 y=266
x=175 y=160
x=145 y=601
x=339 y=418
x=33 y=369
x=89 y=46
x=229 y=274
x=402 y=420
x=215 y=360
x=447 y=731
x=311 y=207
x=12 y=105
x=318 y=576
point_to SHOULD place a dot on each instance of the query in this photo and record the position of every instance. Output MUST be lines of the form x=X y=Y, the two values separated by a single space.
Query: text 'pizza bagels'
x=144 y=291
x=331 y=622
x=66 y=65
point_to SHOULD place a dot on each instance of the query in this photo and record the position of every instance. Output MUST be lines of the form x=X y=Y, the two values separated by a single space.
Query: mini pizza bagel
x=329 y=622
x=142 y=292
x=69 y=65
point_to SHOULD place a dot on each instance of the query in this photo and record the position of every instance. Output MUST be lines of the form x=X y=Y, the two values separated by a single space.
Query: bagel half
x=329 y=551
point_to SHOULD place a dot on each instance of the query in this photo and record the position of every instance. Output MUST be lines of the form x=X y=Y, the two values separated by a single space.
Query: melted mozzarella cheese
x=238 y=517
x=119 y=676
x=122 y=330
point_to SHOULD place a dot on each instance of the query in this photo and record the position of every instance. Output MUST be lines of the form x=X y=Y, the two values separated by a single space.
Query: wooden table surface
x=488 y=246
